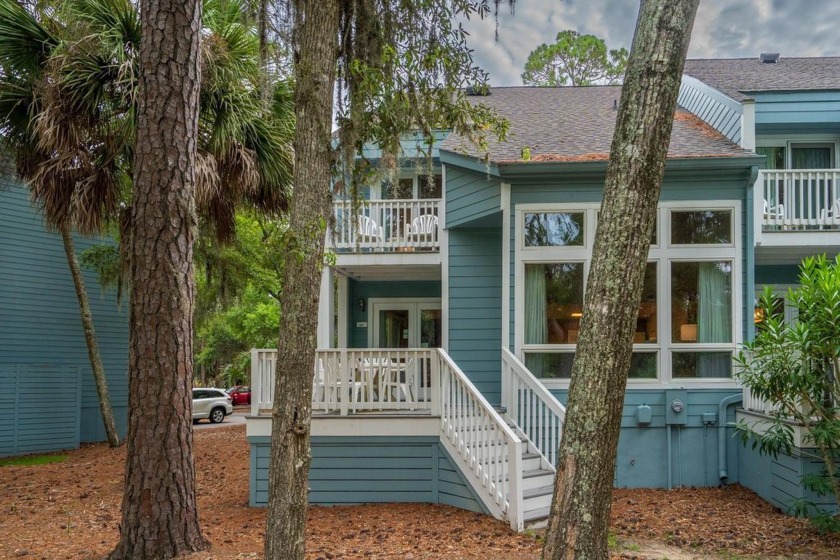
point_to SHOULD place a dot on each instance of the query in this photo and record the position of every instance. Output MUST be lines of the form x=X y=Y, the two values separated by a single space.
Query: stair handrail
x=532 y=407
x=486 y=449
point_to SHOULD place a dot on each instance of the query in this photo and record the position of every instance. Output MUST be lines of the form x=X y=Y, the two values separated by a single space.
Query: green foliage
x=795 y=367
x=105 y=260
x=574 y=60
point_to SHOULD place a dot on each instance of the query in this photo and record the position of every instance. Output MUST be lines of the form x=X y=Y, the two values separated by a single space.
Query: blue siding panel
x=355 y=470
x=40 y=324
x=470 y=196
x=475 y=306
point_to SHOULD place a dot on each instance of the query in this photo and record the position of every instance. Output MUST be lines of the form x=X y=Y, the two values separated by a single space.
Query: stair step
x=537 y=472
x=537 y=514
x=536 y=478
x=539 y=497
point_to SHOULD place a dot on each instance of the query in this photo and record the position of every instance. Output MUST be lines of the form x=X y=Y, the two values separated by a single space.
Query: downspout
x=722 y=425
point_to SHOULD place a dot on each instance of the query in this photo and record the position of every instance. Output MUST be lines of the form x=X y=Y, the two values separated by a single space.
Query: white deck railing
x=485 y=447
x=386 y=225
x=799 y=199
x=754 y=403
x=349 y=381
x=534 y=409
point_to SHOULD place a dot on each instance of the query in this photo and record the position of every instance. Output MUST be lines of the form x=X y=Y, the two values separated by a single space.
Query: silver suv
x=212 y=404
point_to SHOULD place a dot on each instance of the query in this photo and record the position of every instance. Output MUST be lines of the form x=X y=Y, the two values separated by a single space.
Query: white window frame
x=414 y=306
x=414 y=175
x=663 y=253
x=790 y=140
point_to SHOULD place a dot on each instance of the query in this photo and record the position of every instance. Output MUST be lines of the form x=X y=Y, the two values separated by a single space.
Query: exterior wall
x=375 y=469
x=801 y=112
x=475 y=306
x=643 y=451
x=40 y=328
x=721 y=112
x=777 y=479
x=777 y=274
x=358 y=336
x=470 y=195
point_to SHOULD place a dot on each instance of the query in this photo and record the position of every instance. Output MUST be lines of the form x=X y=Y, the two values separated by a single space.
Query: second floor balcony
x=799 y=199
x=401 y=226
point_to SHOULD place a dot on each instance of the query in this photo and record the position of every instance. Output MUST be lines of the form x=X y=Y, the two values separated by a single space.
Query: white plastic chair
x=423 y=227
x=368 y=230
x=831 y=215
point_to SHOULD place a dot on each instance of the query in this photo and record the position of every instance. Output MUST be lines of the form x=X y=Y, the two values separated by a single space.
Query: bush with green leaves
x=794 y=366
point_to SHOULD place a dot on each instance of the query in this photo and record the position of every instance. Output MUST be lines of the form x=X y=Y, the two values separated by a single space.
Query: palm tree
x=68 y=84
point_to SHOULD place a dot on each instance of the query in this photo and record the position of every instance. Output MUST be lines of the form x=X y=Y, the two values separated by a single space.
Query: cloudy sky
x=724 y=28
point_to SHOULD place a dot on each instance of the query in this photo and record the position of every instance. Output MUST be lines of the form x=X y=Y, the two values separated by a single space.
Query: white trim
x=443 y=241
x=325 y=309
x=748 y=125
x=506 y=256
x=664 y=253
x=359 y=425
x=343 y=305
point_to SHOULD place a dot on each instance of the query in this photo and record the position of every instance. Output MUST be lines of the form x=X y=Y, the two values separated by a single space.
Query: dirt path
x=71 y=510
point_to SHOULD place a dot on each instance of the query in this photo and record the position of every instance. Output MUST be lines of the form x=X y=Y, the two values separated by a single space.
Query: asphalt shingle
x=576 y=124
x=737 y=77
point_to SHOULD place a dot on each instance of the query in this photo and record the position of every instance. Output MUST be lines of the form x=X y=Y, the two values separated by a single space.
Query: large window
x=687 y=319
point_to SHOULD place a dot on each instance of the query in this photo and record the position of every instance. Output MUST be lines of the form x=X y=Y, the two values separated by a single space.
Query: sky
x=723 y=29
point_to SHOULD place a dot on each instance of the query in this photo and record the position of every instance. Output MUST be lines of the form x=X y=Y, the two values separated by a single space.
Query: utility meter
x=677 y=406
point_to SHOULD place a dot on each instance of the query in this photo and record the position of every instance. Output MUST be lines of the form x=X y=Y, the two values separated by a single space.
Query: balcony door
x=405 y=323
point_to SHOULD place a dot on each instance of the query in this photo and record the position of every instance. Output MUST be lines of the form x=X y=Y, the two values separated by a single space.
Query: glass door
x=393 y=330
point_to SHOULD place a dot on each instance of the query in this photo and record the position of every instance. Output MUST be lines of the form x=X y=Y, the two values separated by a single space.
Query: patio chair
x=831 y=216
x=774 y=215
x=423 y=228
x=368 y=231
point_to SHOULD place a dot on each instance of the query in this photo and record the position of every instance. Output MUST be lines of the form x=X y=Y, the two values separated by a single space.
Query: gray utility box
x=676 y=407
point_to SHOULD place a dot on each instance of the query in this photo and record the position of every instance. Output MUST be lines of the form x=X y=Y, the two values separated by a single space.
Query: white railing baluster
x=797 y=199
x=387 y=225
x=527 y=400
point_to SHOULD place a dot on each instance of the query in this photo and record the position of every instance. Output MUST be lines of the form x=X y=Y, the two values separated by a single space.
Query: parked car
x=241 y=394
x=212 y=404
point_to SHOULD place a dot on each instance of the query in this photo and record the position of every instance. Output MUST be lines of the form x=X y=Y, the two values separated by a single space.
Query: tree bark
x=90 y=338
x=579 y=520
x=316 y=51
x=159 y=515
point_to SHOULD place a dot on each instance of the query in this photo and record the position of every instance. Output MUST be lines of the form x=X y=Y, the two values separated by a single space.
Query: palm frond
x=24 y=43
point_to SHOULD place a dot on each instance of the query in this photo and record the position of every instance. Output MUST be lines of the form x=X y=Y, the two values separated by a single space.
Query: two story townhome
x=448 y=324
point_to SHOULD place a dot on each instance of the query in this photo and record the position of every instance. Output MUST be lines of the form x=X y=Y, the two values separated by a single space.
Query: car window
x=245 y=390
x=199 y=394
x=215 y=394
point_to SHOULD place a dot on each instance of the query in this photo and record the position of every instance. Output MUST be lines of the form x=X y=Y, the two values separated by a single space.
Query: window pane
x=775 y=156
x=557 y=229
x=701 y=301
x=550 y=365
x=702 y=364
x=646 y=322
x=553 y=302
x=703 y=227
x=398 y=190
x=430 y=186
x=643 y=365
x=813 y=156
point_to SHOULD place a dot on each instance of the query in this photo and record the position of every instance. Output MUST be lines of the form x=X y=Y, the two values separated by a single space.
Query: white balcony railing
x=799 y=199
x=386 y=226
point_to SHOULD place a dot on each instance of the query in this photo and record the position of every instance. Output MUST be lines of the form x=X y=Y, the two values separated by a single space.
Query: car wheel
x=217 y=415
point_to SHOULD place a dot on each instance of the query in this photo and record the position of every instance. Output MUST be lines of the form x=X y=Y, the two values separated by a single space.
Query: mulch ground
x=71 y=510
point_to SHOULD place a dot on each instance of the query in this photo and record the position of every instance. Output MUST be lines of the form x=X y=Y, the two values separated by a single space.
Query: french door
x=405 y=323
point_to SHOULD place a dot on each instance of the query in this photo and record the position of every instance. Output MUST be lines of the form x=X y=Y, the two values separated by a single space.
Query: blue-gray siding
x=40 y=328
x=470 y=196
x=720 y=111
x=777 y=479
x=642 y=460
x=799 y=112
x=373 y=469
x=475 y=306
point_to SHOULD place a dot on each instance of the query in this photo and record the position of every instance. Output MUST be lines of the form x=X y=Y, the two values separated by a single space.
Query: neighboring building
x=49 y=399
x=446 y=347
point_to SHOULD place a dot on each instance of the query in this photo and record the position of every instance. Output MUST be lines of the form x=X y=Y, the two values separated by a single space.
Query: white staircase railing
x=485 y=447
x=532 y=407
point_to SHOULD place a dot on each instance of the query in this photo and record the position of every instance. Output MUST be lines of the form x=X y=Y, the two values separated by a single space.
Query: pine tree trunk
x=579 y=520
x=317 y=49
x=90 y=338
x=159 y=516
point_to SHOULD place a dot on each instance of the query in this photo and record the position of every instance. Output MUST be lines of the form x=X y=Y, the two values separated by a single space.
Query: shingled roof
x=576 y=124
x=737 y=77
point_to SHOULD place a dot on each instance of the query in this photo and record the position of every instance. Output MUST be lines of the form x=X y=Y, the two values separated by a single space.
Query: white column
x=342 y=304
x=325 y=310
x=748 y=125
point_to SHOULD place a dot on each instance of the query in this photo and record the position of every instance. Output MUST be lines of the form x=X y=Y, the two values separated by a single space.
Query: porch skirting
x=349 y=470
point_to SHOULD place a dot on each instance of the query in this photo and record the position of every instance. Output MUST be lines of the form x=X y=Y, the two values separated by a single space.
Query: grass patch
x=32 y=460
